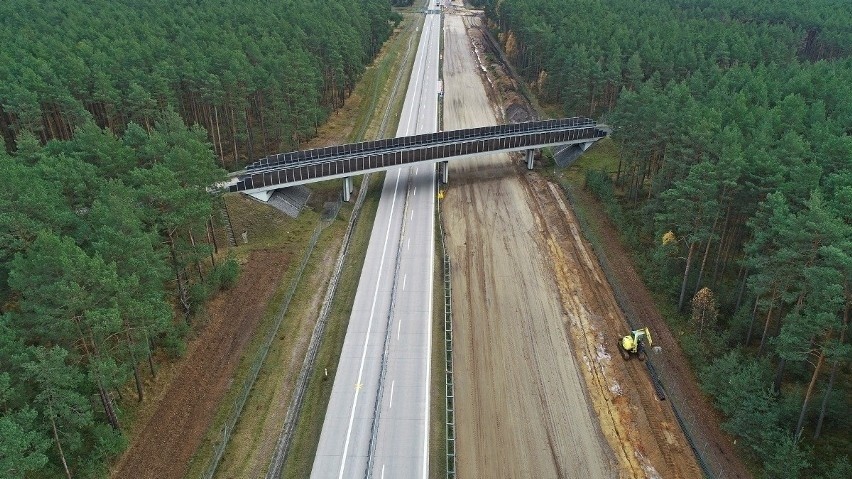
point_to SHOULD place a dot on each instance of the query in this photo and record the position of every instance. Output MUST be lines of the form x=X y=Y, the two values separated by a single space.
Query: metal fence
x=449 y=389
x=422 y=140
x=337 y=166
x=665 y=381
x=240 y=401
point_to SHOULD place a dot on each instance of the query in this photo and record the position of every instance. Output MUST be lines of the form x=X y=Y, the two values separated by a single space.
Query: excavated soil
x=672 y=364
x=540 y=388
x=163 y=447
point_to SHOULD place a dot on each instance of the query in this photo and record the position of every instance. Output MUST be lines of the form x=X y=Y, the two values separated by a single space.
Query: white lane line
x=390 y=406
x=425 y=39
x=427 y=382
x=404 y=277
x=412 y=216
x=383 y=471
x=367 y=337
x=408 y=243
x=398 y=329
x=415 y=192
x=415 y=170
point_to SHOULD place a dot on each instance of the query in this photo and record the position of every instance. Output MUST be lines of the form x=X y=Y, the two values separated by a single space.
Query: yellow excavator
x=632 y=344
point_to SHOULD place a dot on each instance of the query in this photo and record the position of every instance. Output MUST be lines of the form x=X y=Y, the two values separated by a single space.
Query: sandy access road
x=540 y=389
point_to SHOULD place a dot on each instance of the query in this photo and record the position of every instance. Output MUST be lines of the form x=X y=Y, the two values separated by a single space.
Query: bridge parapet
x=307 y=166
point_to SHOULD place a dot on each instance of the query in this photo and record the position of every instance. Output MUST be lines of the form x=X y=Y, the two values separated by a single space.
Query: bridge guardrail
x=310 y=170
x=422 y=140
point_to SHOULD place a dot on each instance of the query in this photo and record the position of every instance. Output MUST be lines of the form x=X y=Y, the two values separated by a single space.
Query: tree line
x=102 y=239
x=258 y=76
x=107 y=237
x=734 y=124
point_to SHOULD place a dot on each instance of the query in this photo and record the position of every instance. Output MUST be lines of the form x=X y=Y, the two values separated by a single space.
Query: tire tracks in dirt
x=622 y=393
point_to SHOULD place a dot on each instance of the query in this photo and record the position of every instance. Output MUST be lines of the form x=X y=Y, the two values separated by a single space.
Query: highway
x=377 y=422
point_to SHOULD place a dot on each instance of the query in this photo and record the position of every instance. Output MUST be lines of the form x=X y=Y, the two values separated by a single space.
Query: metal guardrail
x=380 y=388
x=282 y=446
x=421 y=140
x=344 y=164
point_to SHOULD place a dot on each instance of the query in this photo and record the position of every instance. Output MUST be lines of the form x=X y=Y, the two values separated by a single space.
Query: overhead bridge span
x=261 y=178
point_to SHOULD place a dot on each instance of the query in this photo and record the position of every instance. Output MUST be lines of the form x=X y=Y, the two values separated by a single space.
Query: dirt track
x=166 y=443
x=540 y=389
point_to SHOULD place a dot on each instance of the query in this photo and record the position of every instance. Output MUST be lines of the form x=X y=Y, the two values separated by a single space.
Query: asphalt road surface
x=378 y=415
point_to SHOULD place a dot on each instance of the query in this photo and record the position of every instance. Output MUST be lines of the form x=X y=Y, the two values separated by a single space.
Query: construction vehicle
x=632 y=344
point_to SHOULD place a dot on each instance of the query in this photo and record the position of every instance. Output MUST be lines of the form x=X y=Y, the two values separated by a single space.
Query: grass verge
x=266 y=229
x=392 y=73
x=306 y=438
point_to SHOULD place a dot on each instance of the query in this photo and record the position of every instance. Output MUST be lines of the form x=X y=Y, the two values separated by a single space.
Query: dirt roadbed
x=540 y=388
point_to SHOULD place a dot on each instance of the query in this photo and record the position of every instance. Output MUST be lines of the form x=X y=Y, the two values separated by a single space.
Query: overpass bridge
x=264 y=176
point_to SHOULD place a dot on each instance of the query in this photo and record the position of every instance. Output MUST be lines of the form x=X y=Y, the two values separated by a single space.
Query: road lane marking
x=404 y=277
x=390 y=406
x=367 y=336
x=428 y=379
x=415 y=192
x=408 y=243
x=398 y=329
x=383 y=471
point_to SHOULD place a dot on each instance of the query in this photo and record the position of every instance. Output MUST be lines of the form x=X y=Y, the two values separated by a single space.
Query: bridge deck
x=300 y=167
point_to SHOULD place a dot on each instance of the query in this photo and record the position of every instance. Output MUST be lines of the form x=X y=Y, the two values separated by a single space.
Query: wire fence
x=240 y=401
x=282 y=446
x=665 y=381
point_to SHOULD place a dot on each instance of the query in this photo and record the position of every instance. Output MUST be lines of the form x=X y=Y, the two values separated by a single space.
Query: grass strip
x=306 y=437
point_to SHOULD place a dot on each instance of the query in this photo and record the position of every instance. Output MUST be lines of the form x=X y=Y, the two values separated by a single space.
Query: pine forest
x=733 y=122
x=117 y=115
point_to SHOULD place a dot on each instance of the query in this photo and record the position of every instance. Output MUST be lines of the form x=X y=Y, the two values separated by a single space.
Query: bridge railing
x=426 y=139
x=477 y=143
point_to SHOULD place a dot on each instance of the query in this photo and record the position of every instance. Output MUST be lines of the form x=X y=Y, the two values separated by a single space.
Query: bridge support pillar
x=530 y=159
x=348 y=188
x=445 y=172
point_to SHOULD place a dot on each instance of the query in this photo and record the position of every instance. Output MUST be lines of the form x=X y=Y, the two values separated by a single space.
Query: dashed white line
x=390 y=405
x=398 y=329
x=367 y=336
x=404 y=277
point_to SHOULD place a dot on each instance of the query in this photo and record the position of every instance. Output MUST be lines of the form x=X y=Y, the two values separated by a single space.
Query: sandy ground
x=540 y=389
x=163 y=447
x=521 y=409
x=671 y=363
